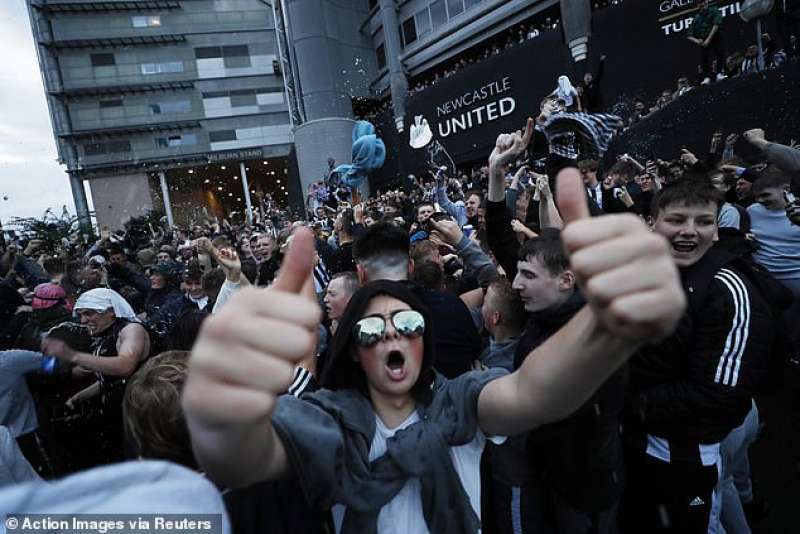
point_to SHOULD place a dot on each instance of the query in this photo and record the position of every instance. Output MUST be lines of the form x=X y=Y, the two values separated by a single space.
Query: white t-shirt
x=403 y=514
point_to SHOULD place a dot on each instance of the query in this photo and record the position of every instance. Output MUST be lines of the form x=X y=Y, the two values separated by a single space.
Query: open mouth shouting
x=396 y=366
x=684 y=247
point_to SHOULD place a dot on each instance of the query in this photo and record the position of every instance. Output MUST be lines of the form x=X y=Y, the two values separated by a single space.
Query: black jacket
x=695 y=386
x=592 y=98
x=456 y=339
x=579 y=457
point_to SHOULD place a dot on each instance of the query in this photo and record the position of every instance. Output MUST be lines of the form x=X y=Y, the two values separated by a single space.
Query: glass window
x=175 y=106
x=381 y=53
x=207 y=52
x=238 y=101
x=234 y=51
x=118 y=146
x=189 y=139
x=409 y=31
x=160 y=68
x=155 y=109
x=146 y=22
x=236 y=62
x=455 y=7
x=222 y=135
x=423 y=22
x=94 y=149
x=438 y=14
x=110 y=103
x=471 y=3
x=103 y=60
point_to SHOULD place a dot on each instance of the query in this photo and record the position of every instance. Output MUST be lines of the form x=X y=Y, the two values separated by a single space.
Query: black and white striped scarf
x=584 y=134
x=321 y=277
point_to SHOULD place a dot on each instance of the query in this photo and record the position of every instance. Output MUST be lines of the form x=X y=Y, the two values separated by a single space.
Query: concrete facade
x=150 y=85
x=145 y=86
x=317 y=141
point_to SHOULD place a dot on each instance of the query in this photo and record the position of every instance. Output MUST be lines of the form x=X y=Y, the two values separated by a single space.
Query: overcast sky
x=31 y=180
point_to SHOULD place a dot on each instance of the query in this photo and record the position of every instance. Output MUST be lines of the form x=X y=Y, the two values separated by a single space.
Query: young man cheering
x=689 y=391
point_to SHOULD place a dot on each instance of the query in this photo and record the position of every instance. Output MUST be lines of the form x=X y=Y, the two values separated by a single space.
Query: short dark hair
x=349 y=279
x=422 y=250
x=548 y=249
x=54 y=265
x=508 y=303
x=193 y=272
x=423 y=203
x=623 y=168
x=588 y=165
x=186 y=329
x=429 y=275
x=691 y=191
x=477 y=192
x=771 y=177
x=380 y=239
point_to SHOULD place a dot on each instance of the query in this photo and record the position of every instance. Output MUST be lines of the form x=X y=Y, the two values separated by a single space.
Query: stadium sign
x=475 y=108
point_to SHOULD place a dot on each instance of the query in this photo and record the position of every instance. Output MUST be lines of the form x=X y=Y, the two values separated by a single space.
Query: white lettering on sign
x=475 y=117
x=668 y=5
x=682 y=25
x=474 y=97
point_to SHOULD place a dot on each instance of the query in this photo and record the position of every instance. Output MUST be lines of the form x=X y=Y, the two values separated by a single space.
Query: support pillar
x=398 y=83
x=576 y=17
x=81 y=205
x=162 y=178
x=246 y=186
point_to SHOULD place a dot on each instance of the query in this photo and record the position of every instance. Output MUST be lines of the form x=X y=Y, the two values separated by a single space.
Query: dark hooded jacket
x=165 y=305
x=579 y=457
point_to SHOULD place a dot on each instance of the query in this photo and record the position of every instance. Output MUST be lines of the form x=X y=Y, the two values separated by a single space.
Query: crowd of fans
x=523 y=346
x=516 y=35
x=497 y=302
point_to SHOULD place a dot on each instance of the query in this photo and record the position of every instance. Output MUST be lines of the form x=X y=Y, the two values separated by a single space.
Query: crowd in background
x=523 y=345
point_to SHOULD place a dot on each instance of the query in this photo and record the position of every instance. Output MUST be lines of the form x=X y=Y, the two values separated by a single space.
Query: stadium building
x=179 y=105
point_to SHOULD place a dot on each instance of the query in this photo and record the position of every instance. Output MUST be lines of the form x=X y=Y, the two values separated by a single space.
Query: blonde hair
x=152 y=413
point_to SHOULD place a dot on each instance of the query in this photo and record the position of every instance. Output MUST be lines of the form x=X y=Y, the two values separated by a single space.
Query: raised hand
x=517 y=226
x=508 y=146
x=625 y=271
x=56 y=347
x=245 y=355
x=793 y=212
x=228 y=259
x=756 y=137
x=543 y=185
x=448 y=231
x=688 y=158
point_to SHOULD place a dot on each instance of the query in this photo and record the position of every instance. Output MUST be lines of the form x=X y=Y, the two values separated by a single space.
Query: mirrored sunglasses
x=369 y=330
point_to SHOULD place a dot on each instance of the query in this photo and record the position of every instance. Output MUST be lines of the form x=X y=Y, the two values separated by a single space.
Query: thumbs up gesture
x=245 y=355
x=625 y=271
